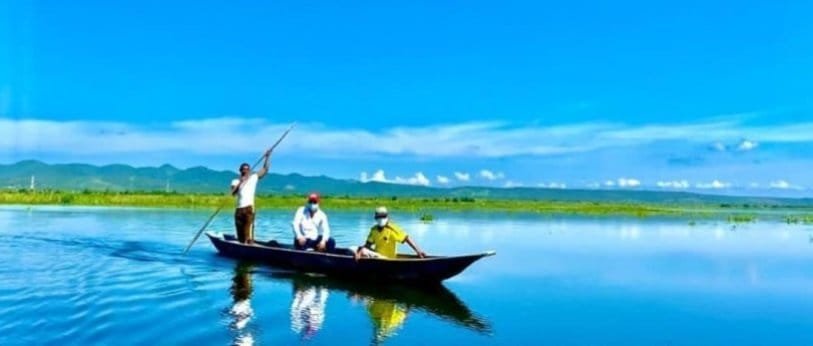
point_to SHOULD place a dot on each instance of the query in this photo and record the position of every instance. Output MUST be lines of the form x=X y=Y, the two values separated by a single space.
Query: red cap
x=313 y=198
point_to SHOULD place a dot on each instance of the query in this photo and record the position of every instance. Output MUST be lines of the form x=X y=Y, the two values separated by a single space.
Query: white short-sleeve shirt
x=245 y=195
x=310 y=226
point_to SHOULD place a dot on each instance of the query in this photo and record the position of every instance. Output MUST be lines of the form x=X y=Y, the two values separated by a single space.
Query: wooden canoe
x=340 y=263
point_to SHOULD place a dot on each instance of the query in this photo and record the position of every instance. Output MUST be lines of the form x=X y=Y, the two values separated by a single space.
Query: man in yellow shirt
x=384 y=238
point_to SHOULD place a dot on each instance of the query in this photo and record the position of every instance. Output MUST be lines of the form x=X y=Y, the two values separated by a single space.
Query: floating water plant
x=742 y=218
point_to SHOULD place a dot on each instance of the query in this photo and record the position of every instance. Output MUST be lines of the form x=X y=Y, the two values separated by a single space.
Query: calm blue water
x=115 y=276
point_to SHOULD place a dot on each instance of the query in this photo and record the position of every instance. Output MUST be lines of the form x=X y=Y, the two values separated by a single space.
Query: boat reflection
x=387 y=305
x=240 y=311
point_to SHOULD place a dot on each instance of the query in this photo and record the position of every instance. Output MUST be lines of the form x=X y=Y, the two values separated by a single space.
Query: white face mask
x=313 y=206
x=382 y=222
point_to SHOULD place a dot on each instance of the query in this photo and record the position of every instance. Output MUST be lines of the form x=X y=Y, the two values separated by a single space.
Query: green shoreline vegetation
x=424 y=206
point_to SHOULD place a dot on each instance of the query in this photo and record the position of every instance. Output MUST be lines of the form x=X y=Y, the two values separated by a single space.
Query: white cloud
x=593 y=185
x=742 y=145
x=553 y=185
x=784 y=185
x=746 y=145
x=462 y=176
x=510 y=184
x=753 y=185
x=420 y=179
x=624 y=182
x=715 y=184
x=489 y=175
x=718 y=146
x=443 y=180
x=473 y=139
x=417 y=179
x=674 y=184
x=379 y=177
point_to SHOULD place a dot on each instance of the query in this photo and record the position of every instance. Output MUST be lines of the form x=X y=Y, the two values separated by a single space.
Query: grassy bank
x=424 y=206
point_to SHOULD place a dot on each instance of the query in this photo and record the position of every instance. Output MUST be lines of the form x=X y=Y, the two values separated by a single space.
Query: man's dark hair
x=244 y=164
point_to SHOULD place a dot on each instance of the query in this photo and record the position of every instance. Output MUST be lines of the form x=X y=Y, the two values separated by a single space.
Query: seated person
x=311 y=229
x=384 y=237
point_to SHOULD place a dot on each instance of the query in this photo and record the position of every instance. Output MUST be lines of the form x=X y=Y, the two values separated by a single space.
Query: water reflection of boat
x=387 y=305
x=240 y=310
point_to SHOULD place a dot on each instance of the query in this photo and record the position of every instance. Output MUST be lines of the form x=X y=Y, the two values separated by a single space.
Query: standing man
x=311 y=229
x=244 y=189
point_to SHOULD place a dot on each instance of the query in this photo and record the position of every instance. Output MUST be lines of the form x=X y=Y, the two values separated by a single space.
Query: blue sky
x=691 y=95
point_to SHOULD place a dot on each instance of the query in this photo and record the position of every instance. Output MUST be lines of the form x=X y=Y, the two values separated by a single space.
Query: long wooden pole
x=208 y=221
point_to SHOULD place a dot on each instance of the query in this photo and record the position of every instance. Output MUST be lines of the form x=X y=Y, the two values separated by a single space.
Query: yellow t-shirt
x=385 y=240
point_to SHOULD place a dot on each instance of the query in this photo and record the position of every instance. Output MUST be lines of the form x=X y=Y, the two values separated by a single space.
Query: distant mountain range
x=77 y=177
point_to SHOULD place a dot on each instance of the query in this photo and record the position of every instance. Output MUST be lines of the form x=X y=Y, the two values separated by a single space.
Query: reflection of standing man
x=241 y=303
x=308 y=309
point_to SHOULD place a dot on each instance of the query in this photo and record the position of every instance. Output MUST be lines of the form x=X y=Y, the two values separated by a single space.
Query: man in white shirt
x=244 y=189
x=311 y=229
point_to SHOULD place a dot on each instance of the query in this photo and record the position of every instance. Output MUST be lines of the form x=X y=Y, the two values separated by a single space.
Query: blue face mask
x=313 y=206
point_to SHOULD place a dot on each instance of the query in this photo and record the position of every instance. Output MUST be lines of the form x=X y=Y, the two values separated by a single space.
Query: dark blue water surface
x=115 y=276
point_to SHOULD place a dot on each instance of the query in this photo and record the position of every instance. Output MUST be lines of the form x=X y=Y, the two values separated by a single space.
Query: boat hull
x=341 y=263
